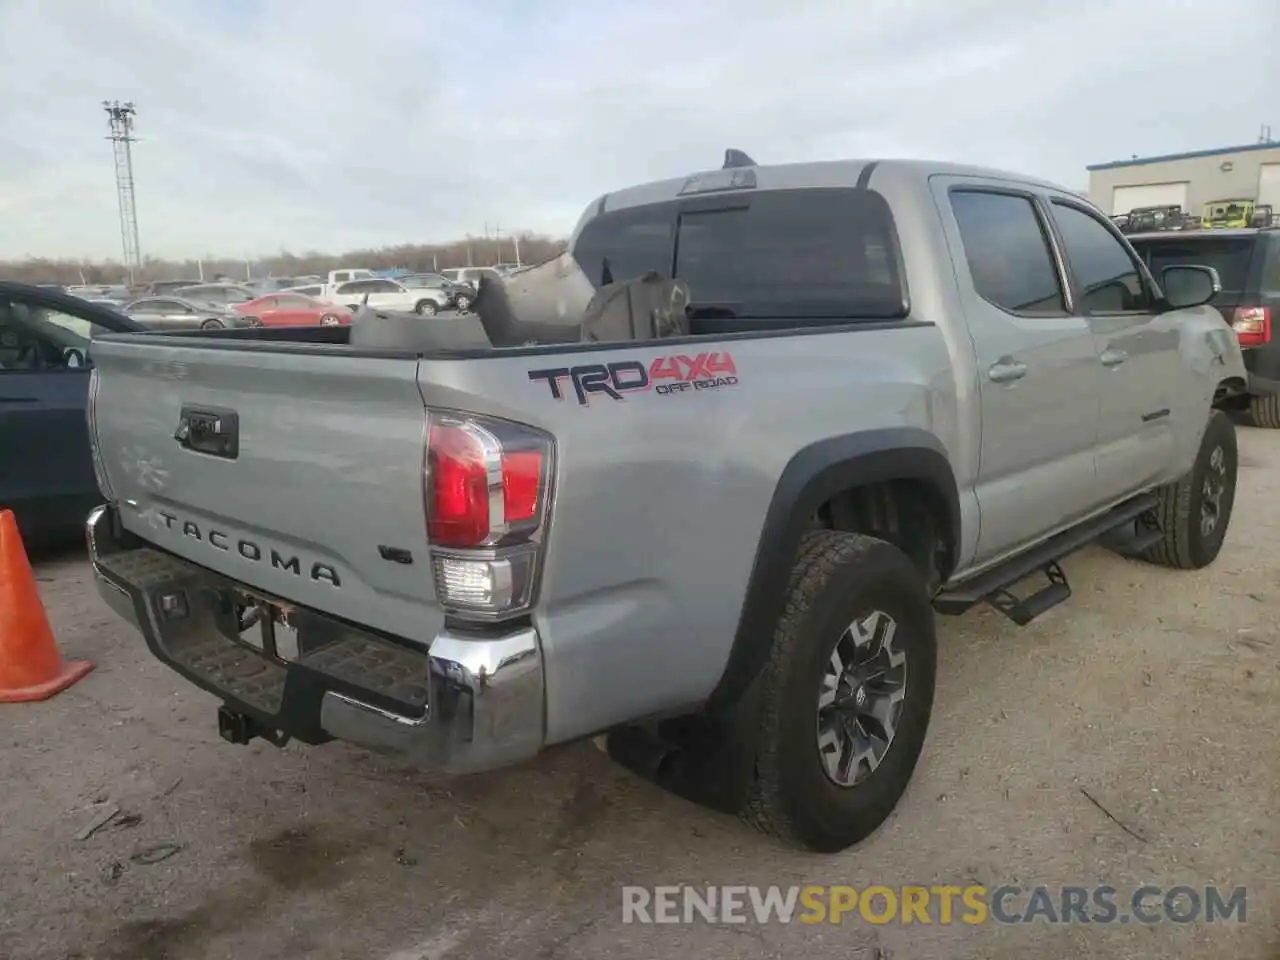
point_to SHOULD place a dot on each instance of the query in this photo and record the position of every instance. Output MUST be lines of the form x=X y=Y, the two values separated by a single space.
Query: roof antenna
x=736 y=158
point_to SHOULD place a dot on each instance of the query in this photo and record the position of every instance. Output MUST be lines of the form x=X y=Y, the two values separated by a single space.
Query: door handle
x=1113 y=358
x=1007 y=371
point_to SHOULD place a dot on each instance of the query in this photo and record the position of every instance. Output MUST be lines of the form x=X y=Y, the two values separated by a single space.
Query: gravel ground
x=1154 y=692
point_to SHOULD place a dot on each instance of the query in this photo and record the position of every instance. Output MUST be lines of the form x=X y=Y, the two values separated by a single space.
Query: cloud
x=267 y=125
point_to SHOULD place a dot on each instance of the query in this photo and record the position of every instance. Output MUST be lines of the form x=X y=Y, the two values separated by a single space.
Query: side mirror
x=1189 y=286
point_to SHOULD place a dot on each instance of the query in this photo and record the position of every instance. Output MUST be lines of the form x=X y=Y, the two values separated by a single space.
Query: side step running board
x=1022 y=610
x=1132 y=540
x=992 y=586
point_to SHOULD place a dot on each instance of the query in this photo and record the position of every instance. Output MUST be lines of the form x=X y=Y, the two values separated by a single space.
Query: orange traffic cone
x=30 y=666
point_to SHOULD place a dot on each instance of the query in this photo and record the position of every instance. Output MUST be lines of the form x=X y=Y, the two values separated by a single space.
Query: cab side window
x=1109 y=278
x=1008 y=253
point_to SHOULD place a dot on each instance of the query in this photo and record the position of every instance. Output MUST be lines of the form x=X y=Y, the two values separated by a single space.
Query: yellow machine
x=1228 y=214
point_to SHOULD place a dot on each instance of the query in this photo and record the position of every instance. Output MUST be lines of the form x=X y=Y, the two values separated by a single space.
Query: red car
x=291 y=310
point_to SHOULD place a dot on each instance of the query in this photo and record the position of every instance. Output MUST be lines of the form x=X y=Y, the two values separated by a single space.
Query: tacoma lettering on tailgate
x=253 y=552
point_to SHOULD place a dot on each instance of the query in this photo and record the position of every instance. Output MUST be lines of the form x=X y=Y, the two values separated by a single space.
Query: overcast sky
x=318 y=124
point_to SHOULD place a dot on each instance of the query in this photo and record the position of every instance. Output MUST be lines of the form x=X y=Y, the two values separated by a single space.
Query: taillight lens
x=488 y=485
x=1252 y=325
x=484 y=483
x=458 y=487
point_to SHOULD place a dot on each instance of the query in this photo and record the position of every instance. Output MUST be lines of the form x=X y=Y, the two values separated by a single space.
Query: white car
x=386 y=294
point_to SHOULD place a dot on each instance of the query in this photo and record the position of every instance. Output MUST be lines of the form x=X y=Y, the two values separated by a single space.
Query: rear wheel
x=1265 y=410
x=252 y=322
x=330 y=320
x=1194 y=513
x=462 y=302
x=847 y=693
x=426 y=308
x=211 y=325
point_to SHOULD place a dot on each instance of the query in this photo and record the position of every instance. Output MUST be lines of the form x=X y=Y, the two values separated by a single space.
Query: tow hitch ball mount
x=240 y=728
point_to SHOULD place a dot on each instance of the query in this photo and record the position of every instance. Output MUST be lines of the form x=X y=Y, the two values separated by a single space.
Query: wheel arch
x=1232 y=393
x=816 y=476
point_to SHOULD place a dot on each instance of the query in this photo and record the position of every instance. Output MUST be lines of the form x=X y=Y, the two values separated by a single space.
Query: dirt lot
x=1155 y=692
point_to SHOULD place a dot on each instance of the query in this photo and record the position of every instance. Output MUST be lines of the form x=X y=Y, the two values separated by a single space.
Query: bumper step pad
x=391 y=671
x=191 y=617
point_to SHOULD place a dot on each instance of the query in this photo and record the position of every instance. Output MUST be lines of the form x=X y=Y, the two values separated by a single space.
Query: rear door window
x=820 y=254
x=1007 y=252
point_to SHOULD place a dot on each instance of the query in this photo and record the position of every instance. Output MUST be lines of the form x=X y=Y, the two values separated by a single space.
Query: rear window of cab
x=813 y=255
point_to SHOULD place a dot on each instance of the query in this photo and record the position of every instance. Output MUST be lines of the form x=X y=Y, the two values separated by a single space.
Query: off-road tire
x=1264 y=410
x=1180 y=508
x=426 y=308
x=837 y=578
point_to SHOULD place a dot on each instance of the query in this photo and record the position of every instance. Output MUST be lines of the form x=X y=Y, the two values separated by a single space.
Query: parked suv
x=703 y=488
x=460 y=294
x=384 y=294
x=1248 y=264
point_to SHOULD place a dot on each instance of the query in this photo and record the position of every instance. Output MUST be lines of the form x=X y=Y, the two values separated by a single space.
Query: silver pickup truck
x=869 y=391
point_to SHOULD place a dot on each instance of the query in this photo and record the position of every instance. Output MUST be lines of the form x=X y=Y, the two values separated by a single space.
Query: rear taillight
x=487 y=486
x=95 y=448
x=1252 y=325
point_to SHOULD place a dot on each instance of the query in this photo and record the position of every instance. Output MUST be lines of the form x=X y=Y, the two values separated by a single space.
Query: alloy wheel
x=860 y=702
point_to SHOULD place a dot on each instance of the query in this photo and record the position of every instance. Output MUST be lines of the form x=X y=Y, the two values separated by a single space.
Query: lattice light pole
x=121 y=117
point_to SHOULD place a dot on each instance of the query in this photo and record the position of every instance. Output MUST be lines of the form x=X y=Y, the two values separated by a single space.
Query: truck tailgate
x=321 y=501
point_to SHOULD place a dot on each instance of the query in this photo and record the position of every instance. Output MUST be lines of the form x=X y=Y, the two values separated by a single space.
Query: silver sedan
x=180 y=313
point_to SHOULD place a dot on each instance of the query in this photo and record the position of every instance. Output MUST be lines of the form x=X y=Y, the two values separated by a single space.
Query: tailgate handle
x=209 y=430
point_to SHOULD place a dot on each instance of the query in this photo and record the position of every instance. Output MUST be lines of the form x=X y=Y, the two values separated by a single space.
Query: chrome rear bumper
x=468 y=702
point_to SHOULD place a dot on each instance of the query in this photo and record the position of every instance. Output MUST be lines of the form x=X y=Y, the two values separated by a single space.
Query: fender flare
x=813 y=476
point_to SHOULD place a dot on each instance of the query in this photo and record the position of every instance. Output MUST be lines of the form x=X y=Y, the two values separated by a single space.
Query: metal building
x=1189 y=180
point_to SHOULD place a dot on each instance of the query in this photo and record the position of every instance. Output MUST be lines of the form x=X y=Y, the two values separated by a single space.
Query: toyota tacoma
x=700 y=483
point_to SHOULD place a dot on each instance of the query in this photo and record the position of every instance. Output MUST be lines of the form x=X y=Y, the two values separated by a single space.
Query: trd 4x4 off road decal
x=665 y=376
